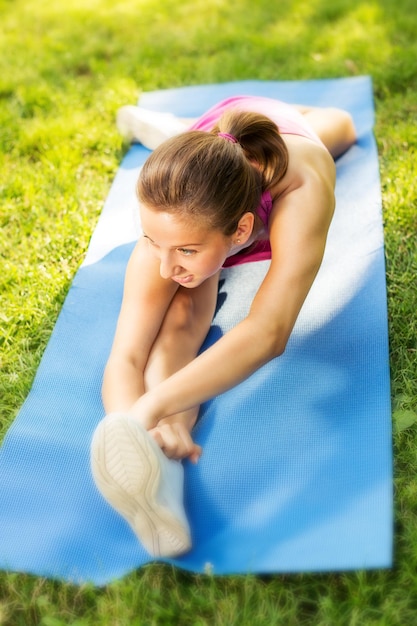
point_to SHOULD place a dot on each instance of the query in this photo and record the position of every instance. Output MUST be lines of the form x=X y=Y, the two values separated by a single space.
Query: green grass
x=65 y=68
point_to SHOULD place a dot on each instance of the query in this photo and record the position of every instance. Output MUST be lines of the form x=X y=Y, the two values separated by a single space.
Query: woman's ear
x=244 y=229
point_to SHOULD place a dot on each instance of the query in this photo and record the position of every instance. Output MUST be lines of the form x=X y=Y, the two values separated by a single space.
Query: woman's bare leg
x=129 y=468
x=334 y=126
x=182 y=333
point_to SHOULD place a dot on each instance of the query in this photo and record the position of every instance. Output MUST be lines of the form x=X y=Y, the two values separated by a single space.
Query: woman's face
x=188 y=254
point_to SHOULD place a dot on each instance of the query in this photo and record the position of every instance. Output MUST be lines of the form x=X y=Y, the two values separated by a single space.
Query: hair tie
x=228 y=137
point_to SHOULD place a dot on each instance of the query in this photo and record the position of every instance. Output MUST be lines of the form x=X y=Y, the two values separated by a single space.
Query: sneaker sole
x=127 y=472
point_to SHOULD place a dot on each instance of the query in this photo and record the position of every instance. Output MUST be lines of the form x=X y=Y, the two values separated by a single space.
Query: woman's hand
x=172 y=434
x=175 y=441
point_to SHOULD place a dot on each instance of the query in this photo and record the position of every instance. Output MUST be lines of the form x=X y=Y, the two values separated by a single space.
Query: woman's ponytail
x=260 y=140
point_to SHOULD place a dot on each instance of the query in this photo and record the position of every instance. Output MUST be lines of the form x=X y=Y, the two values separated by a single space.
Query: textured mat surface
x=297 y=472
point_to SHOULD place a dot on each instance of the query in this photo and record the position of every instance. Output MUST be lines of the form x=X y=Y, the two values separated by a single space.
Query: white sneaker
x=150 y=128
x=141 y=483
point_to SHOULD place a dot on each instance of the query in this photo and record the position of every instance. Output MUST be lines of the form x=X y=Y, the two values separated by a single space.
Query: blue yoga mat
x=296 y=473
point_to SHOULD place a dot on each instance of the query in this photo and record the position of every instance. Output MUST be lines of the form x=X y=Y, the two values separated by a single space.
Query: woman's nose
x=167 y=267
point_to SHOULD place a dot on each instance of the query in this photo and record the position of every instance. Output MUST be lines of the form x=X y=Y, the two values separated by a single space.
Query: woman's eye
x=186 y=251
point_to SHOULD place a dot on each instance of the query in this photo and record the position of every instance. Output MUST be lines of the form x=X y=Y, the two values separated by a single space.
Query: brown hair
x=205 y=176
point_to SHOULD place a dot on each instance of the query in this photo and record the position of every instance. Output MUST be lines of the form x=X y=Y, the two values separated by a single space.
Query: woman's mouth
x=183 y=280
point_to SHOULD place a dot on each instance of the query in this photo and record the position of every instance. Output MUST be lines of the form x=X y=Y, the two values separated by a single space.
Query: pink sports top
x=289 y=122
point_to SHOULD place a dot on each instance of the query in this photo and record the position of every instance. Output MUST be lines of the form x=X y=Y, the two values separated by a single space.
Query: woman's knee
x=180 y=316
x=190 y=314
x=343 y=121
x=335 y=127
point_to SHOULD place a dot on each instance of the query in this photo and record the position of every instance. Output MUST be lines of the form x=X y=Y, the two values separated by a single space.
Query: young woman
x=253 y=178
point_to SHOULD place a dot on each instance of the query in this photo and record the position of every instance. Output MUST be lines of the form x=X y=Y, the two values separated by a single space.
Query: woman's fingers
x=176 y=442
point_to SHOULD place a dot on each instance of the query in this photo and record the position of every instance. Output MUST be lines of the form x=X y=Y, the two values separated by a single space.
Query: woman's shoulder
x=307 y=160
